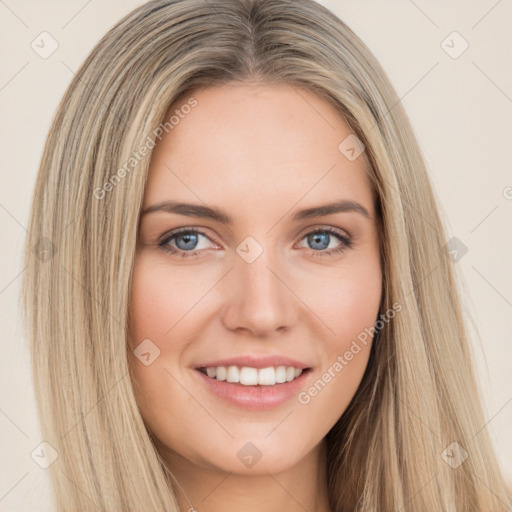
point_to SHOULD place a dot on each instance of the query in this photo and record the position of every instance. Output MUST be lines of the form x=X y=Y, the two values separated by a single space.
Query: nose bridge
x=258 y=300
x=258 y=278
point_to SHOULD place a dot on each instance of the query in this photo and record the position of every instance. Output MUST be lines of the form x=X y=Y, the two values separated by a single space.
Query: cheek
x=154 y=310
x=351 y=312
x=162 y=310
x=349 y=306
x=161 y=297
x=356 y=309
x=348 y=299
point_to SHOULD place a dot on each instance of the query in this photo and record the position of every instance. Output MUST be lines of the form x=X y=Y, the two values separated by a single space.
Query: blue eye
x=185 y=242
x=320 y=239
x=190 y=240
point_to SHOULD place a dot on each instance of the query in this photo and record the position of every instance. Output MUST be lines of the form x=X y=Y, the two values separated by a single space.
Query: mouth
x=254 y=389
x=249 y=376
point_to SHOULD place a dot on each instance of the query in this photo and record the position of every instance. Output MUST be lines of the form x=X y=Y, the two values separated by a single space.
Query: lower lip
x=255 y=397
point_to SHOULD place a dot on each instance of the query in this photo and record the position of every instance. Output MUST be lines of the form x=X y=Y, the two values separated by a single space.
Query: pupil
x=319 y=238
x=190 y=241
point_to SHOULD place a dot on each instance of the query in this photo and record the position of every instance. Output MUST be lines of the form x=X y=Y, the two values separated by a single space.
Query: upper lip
x=255 y=362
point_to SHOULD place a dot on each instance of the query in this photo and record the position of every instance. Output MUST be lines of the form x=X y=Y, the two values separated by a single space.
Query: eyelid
x=326 y=227
x=187 y=229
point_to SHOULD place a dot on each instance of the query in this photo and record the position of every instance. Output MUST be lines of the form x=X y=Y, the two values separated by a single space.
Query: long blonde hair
x=419 y=392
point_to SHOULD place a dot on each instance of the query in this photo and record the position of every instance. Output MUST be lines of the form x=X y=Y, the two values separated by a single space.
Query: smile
x=239 y=387
x=248 y=376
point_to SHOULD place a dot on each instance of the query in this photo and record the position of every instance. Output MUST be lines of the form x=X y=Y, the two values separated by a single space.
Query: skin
x=260 y=153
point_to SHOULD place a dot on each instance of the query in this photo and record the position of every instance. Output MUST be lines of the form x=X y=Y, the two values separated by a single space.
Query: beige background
x=461 y=111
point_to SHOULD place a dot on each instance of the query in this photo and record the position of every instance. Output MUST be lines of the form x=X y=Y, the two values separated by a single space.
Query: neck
x=301 y=487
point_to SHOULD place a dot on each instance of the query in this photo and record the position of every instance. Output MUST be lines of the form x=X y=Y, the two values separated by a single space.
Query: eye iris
x=319 y=237
x=191 y=240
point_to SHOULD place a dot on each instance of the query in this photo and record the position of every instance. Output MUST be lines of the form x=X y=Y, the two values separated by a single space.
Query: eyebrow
x=205 y=212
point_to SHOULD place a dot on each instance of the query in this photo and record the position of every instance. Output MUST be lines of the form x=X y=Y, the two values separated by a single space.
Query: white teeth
x=248 y=376
x=220 y=373
x=233 y=374
x=281 y=374
x=267 y=376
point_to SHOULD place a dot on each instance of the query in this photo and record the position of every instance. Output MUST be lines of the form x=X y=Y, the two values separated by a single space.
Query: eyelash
x=346 y=242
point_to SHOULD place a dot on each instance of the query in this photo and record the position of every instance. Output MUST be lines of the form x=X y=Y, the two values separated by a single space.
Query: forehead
x=268 y=144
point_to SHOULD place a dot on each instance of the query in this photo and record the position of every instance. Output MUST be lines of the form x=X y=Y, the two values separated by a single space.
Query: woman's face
x=264 y=284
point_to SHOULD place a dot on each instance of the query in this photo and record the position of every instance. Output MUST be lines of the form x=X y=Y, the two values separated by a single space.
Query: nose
x=258 y=298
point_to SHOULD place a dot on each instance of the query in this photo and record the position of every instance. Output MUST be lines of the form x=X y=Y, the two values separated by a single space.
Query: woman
x=193 y=346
